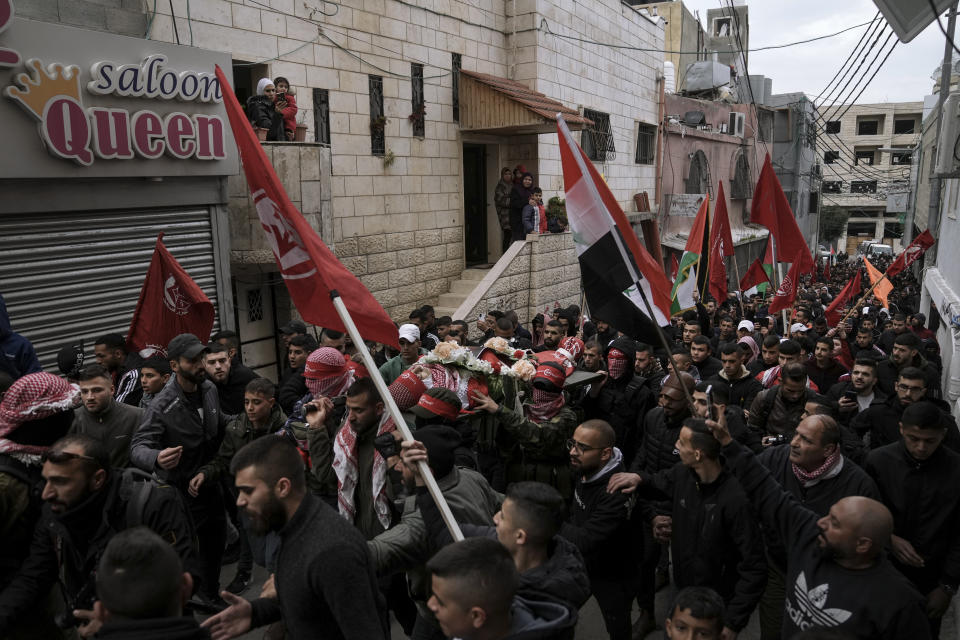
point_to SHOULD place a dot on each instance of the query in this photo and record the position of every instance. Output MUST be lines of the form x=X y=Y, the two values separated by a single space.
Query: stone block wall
x=304 y=171
x=123 y=17
x=543 y=273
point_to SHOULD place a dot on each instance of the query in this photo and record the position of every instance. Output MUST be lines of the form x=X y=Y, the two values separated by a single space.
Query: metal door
x=474 y=204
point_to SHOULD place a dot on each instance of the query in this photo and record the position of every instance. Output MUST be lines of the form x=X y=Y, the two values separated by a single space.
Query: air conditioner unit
x=736 y=124
x=948 y=146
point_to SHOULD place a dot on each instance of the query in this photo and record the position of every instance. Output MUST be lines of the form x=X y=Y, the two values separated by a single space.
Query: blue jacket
x=17 y=357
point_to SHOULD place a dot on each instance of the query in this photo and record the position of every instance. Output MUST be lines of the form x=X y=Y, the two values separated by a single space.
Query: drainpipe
x=658 y=176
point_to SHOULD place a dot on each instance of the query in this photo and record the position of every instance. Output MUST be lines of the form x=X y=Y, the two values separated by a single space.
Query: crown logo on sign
x=44 y=85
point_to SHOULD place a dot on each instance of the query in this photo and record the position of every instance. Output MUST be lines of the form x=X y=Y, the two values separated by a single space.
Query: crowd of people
x=804 y=471
x=520 y=207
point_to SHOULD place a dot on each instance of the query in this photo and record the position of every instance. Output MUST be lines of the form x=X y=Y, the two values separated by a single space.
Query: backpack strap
x=136 y=487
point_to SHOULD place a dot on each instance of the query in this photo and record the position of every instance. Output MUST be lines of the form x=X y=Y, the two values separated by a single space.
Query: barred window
x=863 y=186
x=457 y=61
x=597 y=141
x=321 y=115
x=646 y=144
x=742 y=187
x=419 y=113
x=833 y=186
x=378 y=121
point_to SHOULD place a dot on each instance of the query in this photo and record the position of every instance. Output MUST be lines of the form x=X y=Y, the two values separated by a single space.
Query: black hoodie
x=534 y=620
x=153 y=629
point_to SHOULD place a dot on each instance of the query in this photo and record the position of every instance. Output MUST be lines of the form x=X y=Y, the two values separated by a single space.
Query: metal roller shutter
x=72 y=275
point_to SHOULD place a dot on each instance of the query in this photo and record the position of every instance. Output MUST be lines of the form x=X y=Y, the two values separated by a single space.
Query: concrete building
x=684 y=37
x=410 y=110
x=795 y=160
x=866 y=153
x=728 y=34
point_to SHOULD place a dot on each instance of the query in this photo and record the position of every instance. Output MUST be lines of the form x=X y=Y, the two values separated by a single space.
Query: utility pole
x=933 y=213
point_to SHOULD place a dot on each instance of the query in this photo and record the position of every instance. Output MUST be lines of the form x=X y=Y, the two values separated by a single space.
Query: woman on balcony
x=262 y=112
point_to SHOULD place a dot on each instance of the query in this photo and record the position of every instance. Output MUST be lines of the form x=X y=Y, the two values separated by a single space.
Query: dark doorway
x=474 y=204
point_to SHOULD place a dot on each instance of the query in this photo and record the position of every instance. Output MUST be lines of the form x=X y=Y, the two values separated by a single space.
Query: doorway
x=474 y=204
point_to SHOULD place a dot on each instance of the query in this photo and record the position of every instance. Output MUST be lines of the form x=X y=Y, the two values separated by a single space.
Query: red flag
x=674 y=267
x=309 y=269
x=834 y=312
x=787 y=292
x=170 y=303
x=771 y=209
x=755 y=275
x=826 y=271
x=911 y=254
x=721 y=245
x=614 y=266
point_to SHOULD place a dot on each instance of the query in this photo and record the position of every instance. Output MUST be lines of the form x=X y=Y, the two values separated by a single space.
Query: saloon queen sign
x=113 y=110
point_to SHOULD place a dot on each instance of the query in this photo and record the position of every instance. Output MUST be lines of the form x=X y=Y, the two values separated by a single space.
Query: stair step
x=474 y=274
x=463 y=286
x=445 y=311
x=450 y=300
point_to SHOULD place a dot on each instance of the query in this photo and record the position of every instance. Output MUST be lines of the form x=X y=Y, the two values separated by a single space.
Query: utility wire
x=863 y=38
x=936 y=15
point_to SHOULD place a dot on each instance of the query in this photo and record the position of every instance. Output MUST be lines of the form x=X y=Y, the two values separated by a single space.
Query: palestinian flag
x=694 y=273
x=758 y=277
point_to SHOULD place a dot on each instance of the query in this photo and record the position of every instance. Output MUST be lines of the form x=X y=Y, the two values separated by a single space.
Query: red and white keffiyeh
x=545 y=406
x=346 y=466
x=33 y=397
x=326 y=373
x=463 y=383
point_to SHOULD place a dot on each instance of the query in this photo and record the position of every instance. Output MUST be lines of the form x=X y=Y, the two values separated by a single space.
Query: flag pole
x=864 y=297
x=394 y=412
x=736 y=271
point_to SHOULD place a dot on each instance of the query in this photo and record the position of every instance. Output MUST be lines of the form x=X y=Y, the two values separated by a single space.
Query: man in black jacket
x=598 y=524
x=86 y=504
x=823 y=369
x=324 y=570
x=836 y=575
x=769 y=355
x=741 y=387
x=142 y=589
x=778 y=410
x=919 y=480
x=230 y=376
x=863 y=383
x=620 y=399
x=811 y=468
x=906 y=353
x=882 y=421
x=715 y=536
x=181 y=431
x=705 y=363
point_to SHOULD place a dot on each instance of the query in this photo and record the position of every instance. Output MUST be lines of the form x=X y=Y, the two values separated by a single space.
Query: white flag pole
x=394 y=411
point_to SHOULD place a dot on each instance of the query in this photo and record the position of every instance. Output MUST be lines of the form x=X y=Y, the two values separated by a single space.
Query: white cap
x=746 y=324
x=798 y=326
x=409 y=332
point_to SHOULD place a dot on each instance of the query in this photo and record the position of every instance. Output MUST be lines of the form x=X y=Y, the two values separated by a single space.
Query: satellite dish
x=909 y=17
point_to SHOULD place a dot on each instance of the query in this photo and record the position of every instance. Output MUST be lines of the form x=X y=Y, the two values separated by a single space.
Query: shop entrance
x=474 y=204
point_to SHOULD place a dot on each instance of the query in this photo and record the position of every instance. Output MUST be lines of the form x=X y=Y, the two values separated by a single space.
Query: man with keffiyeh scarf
x=534 y=442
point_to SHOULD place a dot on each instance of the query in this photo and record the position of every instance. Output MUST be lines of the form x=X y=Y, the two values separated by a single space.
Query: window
x=864 y=156
x=418 y=116
x=765 y=121
x=863 y=186
x=597 y=141
x=833 y=126
x=646 y=144
x=868 y=127
x=722 y=27
x=254 y=305
x=741 y=188
x=378 y=121
x=830 y=157
x=904 y=125
x=321 y=115
x=832 y=186
x=901 y=157
x=814 y=204
x=456 y=86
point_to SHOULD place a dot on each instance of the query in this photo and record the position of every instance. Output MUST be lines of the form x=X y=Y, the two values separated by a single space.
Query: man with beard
x=592 y=357
x=919 y=481
x=906 y=353
x=715 y=536
x=837 y=575
x=898 y=327
x=725 y=334
x=882 y=421
x=230 y=377
x=181 y=431
x=823 y=368
x=863 y=341
x=813 y=469
x=86 y=504
x=862 y=384
x=598 y=524
x=740 y=386
x=111 y=352
x=620 y=399
x=553 y=333
x=777 y=411
x=408 y=545
x=534 y=442
x=648 y=367
x=323 y=568
x=103 y=418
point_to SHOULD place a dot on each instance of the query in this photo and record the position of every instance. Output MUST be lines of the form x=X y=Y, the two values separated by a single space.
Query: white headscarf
x=263 y=84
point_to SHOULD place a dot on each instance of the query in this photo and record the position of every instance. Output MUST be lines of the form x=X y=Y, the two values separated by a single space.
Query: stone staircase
x=448 y=303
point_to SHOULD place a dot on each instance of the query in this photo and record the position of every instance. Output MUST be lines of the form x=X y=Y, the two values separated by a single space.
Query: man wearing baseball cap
x=535 y=441
x=410 y=352
x=180 y=432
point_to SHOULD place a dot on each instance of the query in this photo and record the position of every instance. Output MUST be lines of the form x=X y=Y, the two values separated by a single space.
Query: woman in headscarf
x=519 y=198
x=751 y=344
x=262 y=111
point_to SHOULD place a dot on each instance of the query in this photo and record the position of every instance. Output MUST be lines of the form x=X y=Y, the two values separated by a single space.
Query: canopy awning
x=489 y=104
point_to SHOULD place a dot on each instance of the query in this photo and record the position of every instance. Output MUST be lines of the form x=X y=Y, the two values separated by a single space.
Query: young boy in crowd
x=697 y=612
x=154 y=373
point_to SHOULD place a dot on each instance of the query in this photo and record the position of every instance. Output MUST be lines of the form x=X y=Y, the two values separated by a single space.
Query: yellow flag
x=882 y=290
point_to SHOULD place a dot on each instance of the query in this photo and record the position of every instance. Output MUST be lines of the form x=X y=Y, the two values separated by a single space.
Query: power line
x=936 y=14
x=863 y=38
